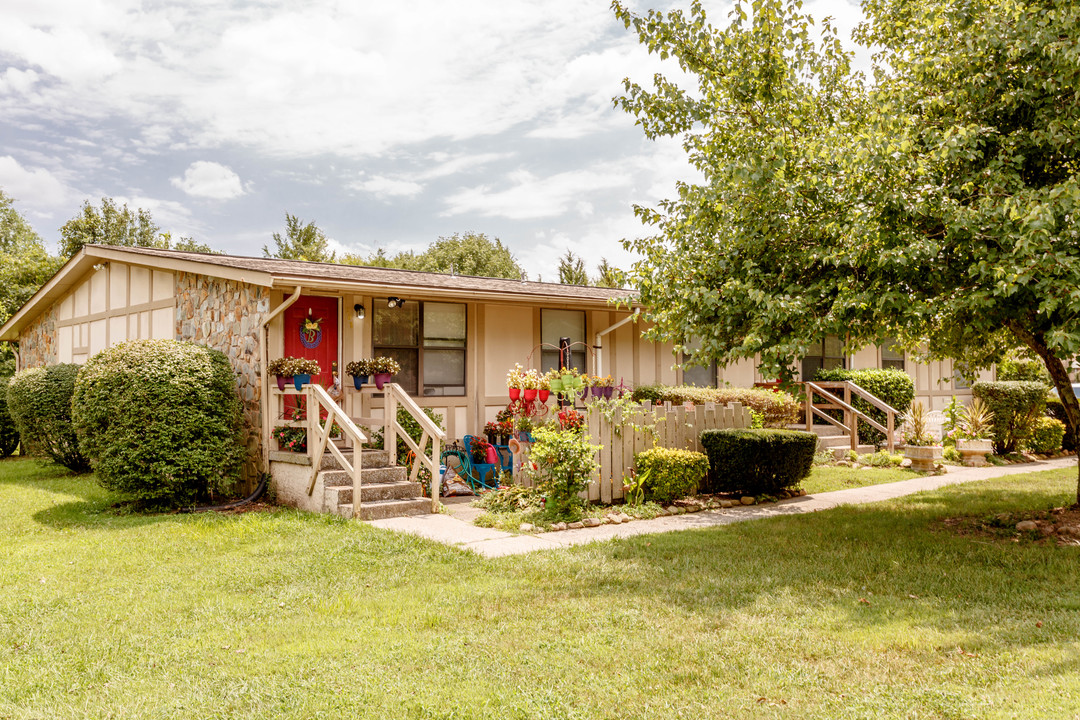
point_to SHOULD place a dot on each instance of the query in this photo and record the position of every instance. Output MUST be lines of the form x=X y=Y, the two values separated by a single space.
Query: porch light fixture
x=359 y=310
x=395 y=302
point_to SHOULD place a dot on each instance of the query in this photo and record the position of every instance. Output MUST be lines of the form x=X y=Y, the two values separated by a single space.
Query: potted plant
x=514 y=381
x=554 y=381
x=530 y=385
x=606 y=386
x=303 y=369
x=544 y=390
x=382 y=369
x=919 y=446
x=359 y=370
x=491 y=429
x=974 y=440
x=283 y=368
x=524 y=426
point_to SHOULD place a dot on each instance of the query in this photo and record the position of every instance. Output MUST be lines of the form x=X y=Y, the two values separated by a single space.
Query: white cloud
x=384 y=187
x=526 y=196
x=37 y=187
x=212 y=180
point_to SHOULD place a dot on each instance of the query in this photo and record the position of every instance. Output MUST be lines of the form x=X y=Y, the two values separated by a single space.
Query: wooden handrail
x=317 y=398
x=392 y=430
x=822 y=387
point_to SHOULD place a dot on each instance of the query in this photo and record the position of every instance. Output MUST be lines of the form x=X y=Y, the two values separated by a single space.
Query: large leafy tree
x=936 y=201
x=572 y=269
x=111 y=224
x=467 y=253
x=25 y=265
x=301 y=242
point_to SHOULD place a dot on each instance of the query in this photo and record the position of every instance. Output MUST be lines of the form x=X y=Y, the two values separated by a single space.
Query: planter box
x=923 y=458
x=973 y=452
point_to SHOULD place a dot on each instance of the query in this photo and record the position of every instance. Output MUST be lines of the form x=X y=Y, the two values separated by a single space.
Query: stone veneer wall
x=37 y=342
x=227 y=315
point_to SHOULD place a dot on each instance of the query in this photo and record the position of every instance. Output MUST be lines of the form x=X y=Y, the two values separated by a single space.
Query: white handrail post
x=390 y=429
x=892 y=426
x=312 y=419
x=436 y=481
x=809 y=407
x=357 y=485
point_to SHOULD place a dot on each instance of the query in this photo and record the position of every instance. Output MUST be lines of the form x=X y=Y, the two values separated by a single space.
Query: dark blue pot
x=359 y=381
x=300 y=381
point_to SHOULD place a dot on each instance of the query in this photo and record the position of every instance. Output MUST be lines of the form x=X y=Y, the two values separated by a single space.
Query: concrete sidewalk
x=456 y=528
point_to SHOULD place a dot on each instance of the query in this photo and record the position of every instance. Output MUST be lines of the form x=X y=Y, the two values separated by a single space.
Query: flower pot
x=504 y=439
x=973 y=452
x=515 y=393
x=596 y=390
x=923 y=458
x=300 y=380
x=568 y=382
x=608 y=392
x=555 y=384
x=381 y=379
x=544 y=395
x=530 y=394
x=282 y=380
x=359 y=381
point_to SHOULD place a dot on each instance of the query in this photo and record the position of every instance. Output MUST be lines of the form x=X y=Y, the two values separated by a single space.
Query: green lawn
x=289 y=615
x=826 y=478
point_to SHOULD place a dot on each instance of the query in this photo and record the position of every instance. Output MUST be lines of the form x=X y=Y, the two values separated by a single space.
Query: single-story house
x=455 y=336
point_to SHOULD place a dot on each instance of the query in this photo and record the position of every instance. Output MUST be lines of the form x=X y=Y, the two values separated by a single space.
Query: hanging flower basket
x=544 y=395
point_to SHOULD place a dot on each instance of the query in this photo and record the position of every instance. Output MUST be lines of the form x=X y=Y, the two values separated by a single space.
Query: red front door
x=320 y=345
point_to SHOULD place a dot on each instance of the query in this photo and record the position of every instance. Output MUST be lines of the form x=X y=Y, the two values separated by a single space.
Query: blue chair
x=486 y=474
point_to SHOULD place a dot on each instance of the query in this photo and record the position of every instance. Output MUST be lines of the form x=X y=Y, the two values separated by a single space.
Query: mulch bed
x=1058 y=526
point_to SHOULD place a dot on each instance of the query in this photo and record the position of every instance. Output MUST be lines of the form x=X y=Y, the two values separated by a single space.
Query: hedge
x=1046 y=435
x=778 y=408
x=9 y=434
x=673 y=474
x=39 y=400
x=1016 y=405
x=757 y=462
x=160 y=420
x=893 y=386
x=1056 y=410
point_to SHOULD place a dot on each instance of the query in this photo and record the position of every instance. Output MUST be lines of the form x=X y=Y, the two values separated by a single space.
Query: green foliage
x=882 y=458
x=511 y=498
x=1055 y=409
x=301 y=242
x=111 y=225
x=1020 y=366
x=471 y=253
x=562 y=462
x=9 y=434
x=40 y=402
x=160 y=420
x=572 y=269
x=937 y=203
x=414 y=431
x=1046 y=435
x=1016 y=405
x=951 y=454
x=777 y=408
x=893 y=386
x=671 y=474
x=757 y=462
x=609 y=276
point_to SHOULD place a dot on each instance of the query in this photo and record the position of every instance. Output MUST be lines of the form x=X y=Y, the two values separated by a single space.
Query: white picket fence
x=625 y=435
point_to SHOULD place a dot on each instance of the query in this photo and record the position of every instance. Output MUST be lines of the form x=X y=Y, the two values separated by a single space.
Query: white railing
x=319 y=432
x=396 y=397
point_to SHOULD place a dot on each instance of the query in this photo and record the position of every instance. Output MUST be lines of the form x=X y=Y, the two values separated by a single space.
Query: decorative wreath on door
x=311 y=332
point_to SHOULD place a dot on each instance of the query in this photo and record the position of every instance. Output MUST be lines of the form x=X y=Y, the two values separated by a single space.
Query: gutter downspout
x=264 y=357
x=629 y=318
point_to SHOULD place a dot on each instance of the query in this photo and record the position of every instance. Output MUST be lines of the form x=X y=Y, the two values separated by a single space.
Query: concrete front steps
x=385 y=490
x=835 y=440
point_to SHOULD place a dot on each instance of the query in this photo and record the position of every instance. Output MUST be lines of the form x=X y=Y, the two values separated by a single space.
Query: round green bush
x=9 y=434
x=672 y=474
x=160 y=420
x=757 y=462
x=1046 y=435
x=1055 y=409
x=39 y=400
x=1016 y=406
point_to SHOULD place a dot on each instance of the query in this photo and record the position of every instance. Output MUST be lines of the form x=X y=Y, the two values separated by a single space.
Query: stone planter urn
x=923 y=457
x=973 y=452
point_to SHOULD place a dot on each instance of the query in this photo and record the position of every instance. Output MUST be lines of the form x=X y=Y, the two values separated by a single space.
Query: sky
x=387 y=124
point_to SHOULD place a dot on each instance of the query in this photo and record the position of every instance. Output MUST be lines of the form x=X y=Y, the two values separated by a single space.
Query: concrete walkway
x=456 y=528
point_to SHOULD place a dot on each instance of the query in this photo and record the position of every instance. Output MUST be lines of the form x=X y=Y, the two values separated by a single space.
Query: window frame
x=820 y=345
x=545 y=352
x=381 y=306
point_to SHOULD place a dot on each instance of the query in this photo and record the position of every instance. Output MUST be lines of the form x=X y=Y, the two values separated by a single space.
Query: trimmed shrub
x=757 y=462
x=1016 y=405
x=777 y=408
x=160 y=420
x=1056 y=410
x=561 y=465
x=39 y=400
x=893 y=386
x=9 y=434
x=1016 y=367
x=1046 y=435
x=672 y=474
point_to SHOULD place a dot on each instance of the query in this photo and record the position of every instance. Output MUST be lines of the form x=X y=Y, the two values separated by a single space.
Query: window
x=959 y=369
x=555 y=324
x=428 y=340
x=892 y=355
x=825 y=355
x=699 y=375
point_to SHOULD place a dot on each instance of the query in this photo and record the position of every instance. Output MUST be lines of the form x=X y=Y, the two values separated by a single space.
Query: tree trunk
x=1059 y=375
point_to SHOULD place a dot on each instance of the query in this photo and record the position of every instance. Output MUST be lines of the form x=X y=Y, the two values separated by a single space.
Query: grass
x=826 y=478
x=857 y=612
